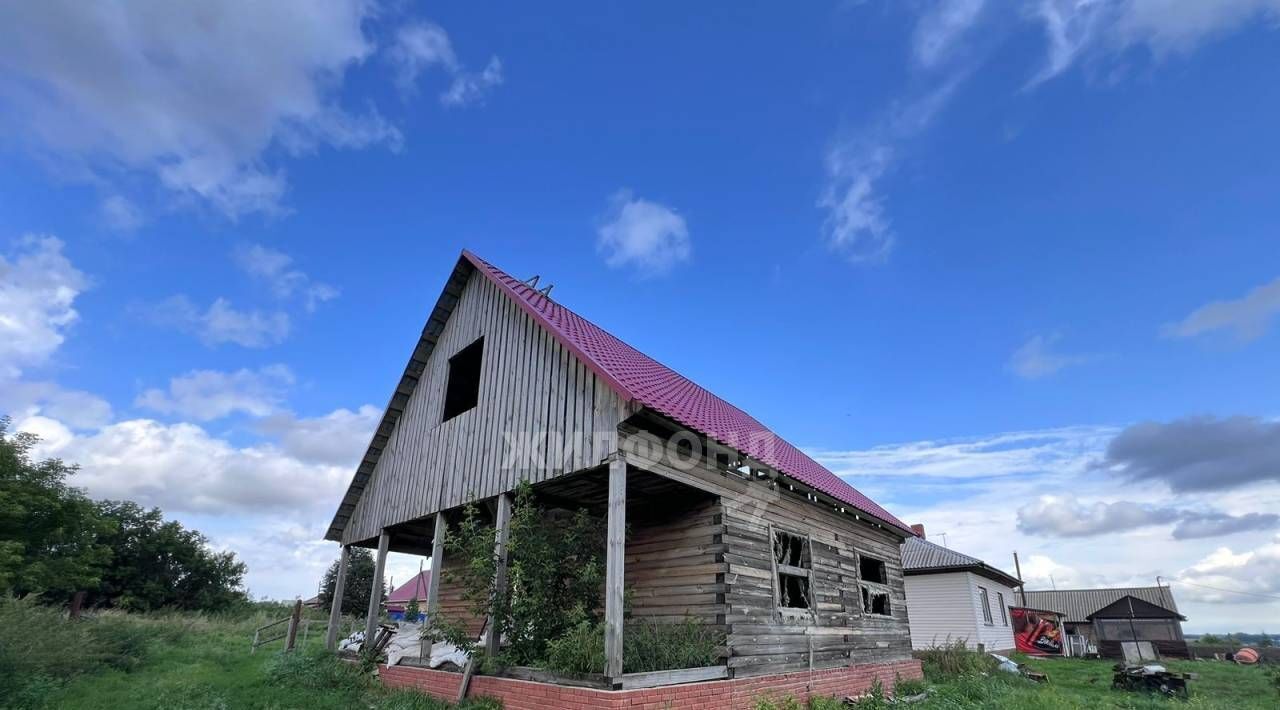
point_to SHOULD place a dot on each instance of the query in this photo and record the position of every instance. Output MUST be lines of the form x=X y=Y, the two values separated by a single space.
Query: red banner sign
x=1037 y=632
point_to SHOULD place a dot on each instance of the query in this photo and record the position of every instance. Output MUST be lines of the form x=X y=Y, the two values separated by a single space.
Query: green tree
x=49 y=531
x=555 y=571
x=1209 y=639
x=158 y=563
x=355 y=595
x=411 y=610
x=1266 y=641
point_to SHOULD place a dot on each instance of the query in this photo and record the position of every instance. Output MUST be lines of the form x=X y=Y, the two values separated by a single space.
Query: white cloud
x=1068 y=451
x=942 y=27
x=38 y=289
x=1036 y=358
x=194 y=98
x=181 y=467
x=856 y=226
x=208 y=394
x=1066 y=516
x=1080 y=28
x=275 y=268
x=1226 y=577
x=648 y=237
x=421 y=46
x=339 y=437
x=1247 y=317
x=77 y=408
x=222 y=323
x=121 y=214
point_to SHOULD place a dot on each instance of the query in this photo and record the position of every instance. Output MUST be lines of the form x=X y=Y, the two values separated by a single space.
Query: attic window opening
x=462 y=392
x=793 y=577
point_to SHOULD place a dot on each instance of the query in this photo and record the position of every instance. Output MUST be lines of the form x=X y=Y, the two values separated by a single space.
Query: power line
x=1228 y=591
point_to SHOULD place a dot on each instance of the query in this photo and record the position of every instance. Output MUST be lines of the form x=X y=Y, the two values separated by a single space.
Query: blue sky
x=1006 y=266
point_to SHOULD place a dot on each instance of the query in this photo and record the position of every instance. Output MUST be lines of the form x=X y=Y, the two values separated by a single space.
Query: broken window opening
x=872 y=570
x=875 y=602
x=793 y=563
x=462 y=391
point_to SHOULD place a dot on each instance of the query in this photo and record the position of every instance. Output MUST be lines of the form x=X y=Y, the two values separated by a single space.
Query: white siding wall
x=939 y=607
x=998 y=636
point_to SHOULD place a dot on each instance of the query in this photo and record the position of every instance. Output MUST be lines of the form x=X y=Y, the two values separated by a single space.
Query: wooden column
x=502 y=523
x=615 y=555
x=375 y=595
x=437 y=567
x=335 y=606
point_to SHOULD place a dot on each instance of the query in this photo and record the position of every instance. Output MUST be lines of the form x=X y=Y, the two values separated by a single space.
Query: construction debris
x=1151 y=677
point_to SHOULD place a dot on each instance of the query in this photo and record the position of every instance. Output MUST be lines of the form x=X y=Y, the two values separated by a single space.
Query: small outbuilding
x=1103 y=619
x=414 y=589
x=952 y=596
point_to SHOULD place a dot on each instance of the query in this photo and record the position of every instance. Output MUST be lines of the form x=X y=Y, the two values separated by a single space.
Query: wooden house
x=710 y=515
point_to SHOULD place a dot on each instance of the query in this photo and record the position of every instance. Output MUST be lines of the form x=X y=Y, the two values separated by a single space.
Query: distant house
x=1107 y=617
x=400 y=597
x=954 y=596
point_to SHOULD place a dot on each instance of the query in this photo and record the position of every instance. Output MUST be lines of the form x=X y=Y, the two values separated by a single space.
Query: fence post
x=294 y=618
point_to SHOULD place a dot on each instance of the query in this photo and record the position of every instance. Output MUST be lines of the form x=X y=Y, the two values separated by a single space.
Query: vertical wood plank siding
x=530 y=387
x=760 y=641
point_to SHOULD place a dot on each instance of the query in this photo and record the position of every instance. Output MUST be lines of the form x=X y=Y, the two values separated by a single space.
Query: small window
x=875 y=602
x=872 y=570
x=986 y=605
x=874 y=575
x=463 y=388
x=794 y=566
x=1004 y=614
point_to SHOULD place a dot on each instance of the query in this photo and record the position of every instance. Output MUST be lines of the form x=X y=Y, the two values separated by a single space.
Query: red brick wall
x=734 y=694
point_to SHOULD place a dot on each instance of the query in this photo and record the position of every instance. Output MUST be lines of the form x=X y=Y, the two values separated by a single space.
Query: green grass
x=1084 y=683
x=166 y=661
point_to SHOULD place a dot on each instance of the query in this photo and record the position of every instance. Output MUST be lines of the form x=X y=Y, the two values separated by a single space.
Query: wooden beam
x=502 y=524
x=437 y=567
x=335 y=606
x=615 y=559
x=375 y=595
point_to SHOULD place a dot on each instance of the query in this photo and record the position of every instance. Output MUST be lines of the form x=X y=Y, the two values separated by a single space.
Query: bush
x=905 y=687
x=954 y=659
x=646 y=647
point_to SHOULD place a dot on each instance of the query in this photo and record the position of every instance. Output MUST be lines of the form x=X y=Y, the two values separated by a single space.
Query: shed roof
x=636 y=377
x=1131 y=607
x=1077 y=604
x=919 y=556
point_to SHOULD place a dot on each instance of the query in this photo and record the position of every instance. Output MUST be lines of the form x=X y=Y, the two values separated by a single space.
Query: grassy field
x=199 y=662
x=174 y=661
x=1082 y=683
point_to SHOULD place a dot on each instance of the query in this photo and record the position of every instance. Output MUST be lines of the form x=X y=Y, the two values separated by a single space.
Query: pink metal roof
x=656 y=386
x=415 y=588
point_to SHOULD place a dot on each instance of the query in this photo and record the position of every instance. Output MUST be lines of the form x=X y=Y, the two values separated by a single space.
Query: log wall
x=762 y=639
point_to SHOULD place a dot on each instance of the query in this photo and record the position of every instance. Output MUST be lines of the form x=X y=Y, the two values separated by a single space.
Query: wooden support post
x=437 y=568
x=295 y=618
x=335 y=606
x=615 y=555
x=375 y=595
x=502 y=524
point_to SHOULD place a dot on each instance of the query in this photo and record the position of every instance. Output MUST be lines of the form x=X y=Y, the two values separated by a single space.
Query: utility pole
x=1022 y=586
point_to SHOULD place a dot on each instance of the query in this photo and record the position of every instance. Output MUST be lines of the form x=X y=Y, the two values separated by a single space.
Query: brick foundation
x=732 y=694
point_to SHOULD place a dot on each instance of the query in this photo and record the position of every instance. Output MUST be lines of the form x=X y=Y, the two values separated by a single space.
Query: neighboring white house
x=952 y=596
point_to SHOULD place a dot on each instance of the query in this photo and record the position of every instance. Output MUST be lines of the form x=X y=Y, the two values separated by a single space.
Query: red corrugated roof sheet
x=656 y=386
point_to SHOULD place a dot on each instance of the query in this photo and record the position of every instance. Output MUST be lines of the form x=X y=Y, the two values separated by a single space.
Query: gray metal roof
x=1078 y=604
x=919 y=556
